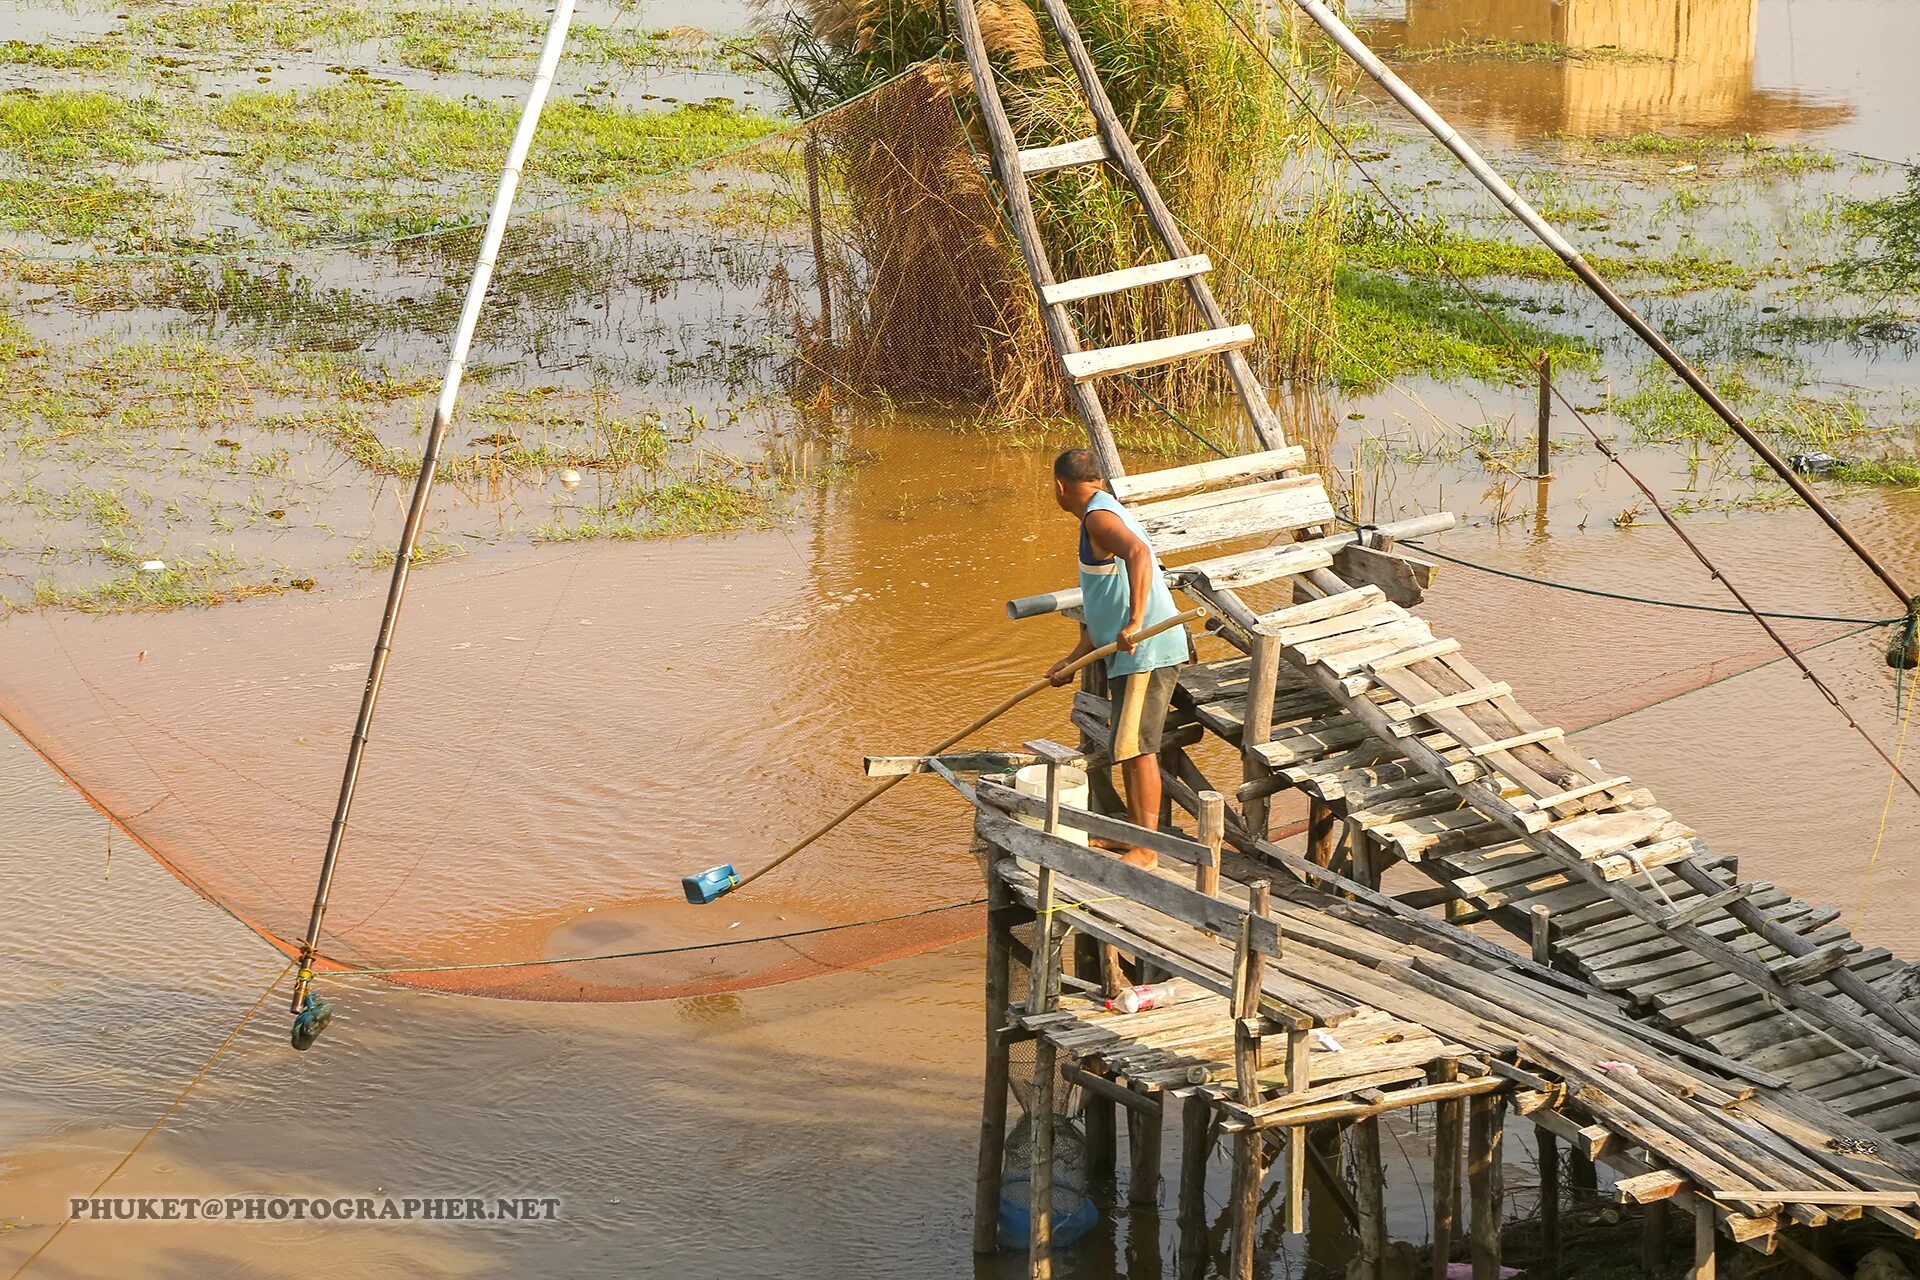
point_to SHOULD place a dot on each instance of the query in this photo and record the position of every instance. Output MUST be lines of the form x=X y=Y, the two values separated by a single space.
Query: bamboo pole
x=477 y=284
x=1043 y=683
x=1446 y=1169
x=993 y=1106
x=1548 y=235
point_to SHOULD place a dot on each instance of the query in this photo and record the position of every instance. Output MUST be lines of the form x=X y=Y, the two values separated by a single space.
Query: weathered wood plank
x=1203 y=475
x=1102 y=362
x=1038 y=160
x=1107 y=282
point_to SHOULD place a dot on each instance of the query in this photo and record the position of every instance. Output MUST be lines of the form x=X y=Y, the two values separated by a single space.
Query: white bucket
x=1032 y=781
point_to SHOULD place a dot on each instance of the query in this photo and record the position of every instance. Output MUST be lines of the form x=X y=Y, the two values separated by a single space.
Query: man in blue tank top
x=1122 y=594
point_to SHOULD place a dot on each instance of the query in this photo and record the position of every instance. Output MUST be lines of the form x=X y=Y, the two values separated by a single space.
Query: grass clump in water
x=92 y=56
x=1754 y=156
x=68 y=128
x=1884 y=253
x=1520 y=51
x=1390 y=327
x=703 y=502
x=201 y=581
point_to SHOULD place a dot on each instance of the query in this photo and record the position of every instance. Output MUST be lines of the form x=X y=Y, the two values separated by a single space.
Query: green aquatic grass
x=1754 y=156
x=91 y=56
x=1520 y=51
x=361 y=158
x=1390 y=328
x=1372 y=240
x=69 y=128
x=1662 y=411
x=1903 y=473
x=703 y=502
x=202 y=580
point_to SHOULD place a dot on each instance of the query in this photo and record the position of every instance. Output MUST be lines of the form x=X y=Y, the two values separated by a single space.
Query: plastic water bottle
x=1151 y=996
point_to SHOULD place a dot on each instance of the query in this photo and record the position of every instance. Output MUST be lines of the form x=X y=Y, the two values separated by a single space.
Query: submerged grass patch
x=1520 y=51
x=705 y=502
x=1754 y=155
x=69 y=128
x=201 y=581
x=1389 y=327
x=355 y=157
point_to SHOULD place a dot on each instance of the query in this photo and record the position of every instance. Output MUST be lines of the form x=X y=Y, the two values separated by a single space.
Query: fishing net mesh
x=577 y=714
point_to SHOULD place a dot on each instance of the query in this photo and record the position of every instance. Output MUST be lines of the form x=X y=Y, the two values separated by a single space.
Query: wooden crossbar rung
x=1812 y=965
x=1713 y=902
x=1065 y=156
x=1126 y=278
x=1466 y=699
x=1149 y=485
x=1319 y=610
x=1518 y=740
x=1564 y=797
x=1082 y=366
x=1407 y=657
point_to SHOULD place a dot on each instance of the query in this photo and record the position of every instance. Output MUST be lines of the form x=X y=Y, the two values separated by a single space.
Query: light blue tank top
x=1107 y=600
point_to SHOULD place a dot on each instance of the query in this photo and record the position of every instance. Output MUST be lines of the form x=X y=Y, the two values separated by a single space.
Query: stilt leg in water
x=1370 y=1181
x=993 y=1106
x=1486 y=1133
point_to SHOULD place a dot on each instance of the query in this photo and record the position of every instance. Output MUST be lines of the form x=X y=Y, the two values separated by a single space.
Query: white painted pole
x=496 y=231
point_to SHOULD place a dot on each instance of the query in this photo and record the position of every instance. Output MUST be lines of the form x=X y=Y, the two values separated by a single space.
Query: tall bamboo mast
x=1548 y=235
x=497 y=218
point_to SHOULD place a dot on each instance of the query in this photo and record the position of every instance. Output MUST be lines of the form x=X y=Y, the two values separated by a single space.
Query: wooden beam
x=1448 y=1134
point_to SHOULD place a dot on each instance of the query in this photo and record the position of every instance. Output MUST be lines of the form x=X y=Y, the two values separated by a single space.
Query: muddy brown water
x=596 y=721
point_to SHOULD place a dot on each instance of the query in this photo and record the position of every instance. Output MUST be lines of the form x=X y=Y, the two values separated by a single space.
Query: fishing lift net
x=663 y=602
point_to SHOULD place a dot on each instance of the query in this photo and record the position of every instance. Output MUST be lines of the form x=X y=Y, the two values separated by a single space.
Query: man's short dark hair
x=1077 y=465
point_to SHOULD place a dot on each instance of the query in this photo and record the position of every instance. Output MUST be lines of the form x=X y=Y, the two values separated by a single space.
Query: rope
x=1886 y=803
x=173 y=1106
x=1864 y=623
x=350 y=972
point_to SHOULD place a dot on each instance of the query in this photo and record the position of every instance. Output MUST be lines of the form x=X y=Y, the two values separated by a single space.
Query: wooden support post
x=1706 y=1241
x=1040 y=1117
x=1243 y=1206
x=1370 y=1182
x=1044 y=994
x=1323 y=832
x=1096 y=1113
x=1653 y=1238
x=1486 y=1133
x=1447 y=1126
x=1143 y=1146
x=1299 y=1079
x=1549 y=1204
x=1335 y=1216
x=1543 y=466
x=1583 y=1180
x=1213 y=833
x=1541 y=921
x=993 y=1107
x=1196 y=1146
x=1263 y=676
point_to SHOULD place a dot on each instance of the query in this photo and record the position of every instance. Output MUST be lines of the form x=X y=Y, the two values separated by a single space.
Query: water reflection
x=1639 y=65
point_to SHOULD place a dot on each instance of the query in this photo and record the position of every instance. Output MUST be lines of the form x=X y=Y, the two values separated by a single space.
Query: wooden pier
x=1726 y=1049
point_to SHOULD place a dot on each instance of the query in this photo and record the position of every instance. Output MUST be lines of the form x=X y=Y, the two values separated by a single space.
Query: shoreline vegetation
x=232 y=236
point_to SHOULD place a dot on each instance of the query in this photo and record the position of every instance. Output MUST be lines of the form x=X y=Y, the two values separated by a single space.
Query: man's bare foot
x=1109 y=846
x=1141 y=858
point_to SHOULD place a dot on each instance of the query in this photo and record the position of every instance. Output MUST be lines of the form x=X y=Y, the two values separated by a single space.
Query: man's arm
x=1056 y=674
x=1109 y=533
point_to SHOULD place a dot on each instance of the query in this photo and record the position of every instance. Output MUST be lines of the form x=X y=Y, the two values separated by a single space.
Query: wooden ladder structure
x=1375 y=708
x=1109 y=145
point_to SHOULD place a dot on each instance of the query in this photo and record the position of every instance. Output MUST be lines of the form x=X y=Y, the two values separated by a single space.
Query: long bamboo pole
x=1012 y=701
x=429 y=461
x=1517 y=205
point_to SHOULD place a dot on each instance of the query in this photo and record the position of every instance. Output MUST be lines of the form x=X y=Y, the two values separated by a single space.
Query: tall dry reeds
x=931 y=296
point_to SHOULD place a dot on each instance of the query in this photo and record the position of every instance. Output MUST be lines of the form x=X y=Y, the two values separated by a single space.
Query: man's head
x=1075 y=479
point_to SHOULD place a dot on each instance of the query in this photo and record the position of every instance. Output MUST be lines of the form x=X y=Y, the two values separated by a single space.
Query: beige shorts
x=1140 y=702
